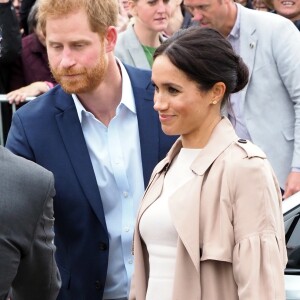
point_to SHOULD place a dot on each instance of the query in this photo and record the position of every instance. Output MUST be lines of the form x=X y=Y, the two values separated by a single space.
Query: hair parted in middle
x=101 y=13
x=206 y=58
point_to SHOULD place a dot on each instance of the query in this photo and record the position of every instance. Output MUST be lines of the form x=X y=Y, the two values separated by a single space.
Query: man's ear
x=111 y=38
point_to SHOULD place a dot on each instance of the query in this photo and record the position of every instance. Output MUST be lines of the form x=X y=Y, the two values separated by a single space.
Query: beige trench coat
x=230 y=228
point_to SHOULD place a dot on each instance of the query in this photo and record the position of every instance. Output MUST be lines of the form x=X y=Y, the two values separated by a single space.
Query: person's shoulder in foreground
x=27 y=264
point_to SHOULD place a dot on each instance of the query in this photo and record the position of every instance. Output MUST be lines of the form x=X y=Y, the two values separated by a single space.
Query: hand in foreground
x=34 y=89
x=292 y=184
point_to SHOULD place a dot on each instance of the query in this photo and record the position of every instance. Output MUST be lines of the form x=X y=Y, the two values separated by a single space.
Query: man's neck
x=103 y=101
x=232 y=16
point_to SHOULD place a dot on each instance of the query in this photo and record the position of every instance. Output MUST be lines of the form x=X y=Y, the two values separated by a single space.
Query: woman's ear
x=218 y=91
x=111 y=38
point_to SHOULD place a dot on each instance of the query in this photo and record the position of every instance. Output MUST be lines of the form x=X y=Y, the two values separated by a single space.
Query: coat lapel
x=74 y=142
x=184 y=207
x=135 y=50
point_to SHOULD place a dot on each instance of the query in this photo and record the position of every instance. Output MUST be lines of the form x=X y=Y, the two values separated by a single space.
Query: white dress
x=158 y=232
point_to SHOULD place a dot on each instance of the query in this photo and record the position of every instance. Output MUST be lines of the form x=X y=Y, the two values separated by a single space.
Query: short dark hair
x=206 y=58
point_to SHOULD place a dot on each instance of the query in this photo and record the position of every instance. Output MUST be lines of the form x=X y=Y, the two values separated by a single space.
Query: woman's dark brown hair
x=206 y=58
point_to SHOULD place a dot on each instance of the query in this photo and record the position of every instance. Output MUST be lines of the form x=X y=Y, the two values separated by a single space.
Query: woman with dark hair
x=210 y=224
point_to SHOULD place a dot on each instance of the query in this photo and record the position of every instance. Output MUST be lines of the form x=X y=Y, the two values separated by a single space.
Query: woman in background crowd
x=136 y=45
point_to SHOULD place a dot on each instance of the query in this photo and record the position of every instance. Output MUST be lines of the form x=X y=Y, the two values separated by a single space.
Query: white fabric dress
x=158 y=232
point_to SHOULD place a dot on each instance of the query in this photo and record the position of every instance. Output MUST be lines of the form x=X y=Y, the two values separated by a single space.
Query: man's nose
x=197 y=15
x=67 y=60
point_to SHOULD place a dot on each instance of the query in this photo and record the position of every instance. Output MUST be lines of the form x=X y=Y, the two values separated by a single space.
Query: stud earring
x=214 y=102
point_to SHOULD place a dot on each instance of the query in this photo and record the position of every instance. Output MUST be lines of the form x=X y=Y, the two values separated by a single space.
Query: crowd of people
x=163 y=139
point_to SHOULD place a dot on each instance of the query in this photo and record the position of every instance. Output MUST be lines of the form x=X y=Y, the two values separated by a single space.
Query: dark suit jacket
x=47 y=130
x=27 y=261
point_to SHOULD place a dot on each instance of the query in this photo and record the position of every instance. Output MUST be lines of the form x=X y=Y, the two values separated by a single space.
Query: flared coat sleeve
x=259 y=254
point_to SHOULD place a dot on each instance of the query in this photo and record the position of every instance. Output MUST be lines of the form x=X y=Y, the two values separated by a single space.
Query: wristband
x=50 y=84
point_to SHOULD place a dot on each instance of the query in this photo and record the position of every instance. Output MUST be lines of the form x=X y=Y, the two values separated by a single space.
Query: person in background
x=99 y=135
x=136 y=45
x=125 y=4
x=287 y=9
x=274 y=66
x=31 y=75
x=28 y=269
x=210 y=223
x=260 y=5
x=24 y=13
x=180 y=18
x=10 y=42
x=10 y=49
x=123 y=16
x=17 y=5
x=246 y=3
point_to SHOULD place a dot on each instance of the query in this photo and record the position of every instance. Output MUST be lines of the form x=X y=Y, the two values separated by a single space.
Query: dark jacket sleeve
x=10 y=43
x=10 y=36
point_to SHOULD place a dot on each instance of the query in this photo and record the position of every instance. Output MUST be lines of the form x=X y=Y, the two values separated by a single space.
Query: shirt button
x=125 y=194
x=98 y=285
x=130 y=261
x=126 y=228
x=102 y=246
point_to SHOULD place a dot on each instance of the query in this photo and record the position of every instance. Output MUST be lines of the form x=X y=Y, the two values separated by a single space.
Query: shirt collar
x=127 y=99
x=235 y=31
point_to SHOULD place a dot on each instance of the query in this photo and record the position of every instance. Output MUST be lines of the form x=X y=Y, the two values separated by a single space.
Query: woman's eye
x=155 y=87
x=172 y=90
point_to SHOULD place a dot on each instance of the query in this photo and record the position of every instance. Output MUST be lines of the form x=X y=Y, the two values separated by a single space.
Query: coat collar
x=222 y=137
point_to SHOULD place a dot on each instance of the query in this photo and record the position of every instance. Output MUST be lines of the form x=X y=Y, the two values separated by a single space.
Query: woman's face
x=152 y=14
x=183 y=109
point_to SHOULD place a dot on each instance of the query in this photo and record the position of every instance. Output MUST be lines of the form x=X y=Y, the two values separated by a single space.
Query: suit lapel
x=248 y=43
x=147 y=120
x=139 y=57
x=74 y=142
x=136 y=51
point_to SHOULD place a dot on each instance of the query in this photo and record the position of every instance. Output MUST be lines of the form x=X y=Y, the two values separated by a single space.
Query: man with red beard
x=98 y=133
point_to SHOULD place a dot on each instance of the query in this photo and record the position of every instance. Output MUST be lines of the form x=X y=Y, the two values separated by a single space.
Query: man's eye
x=56 y=46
